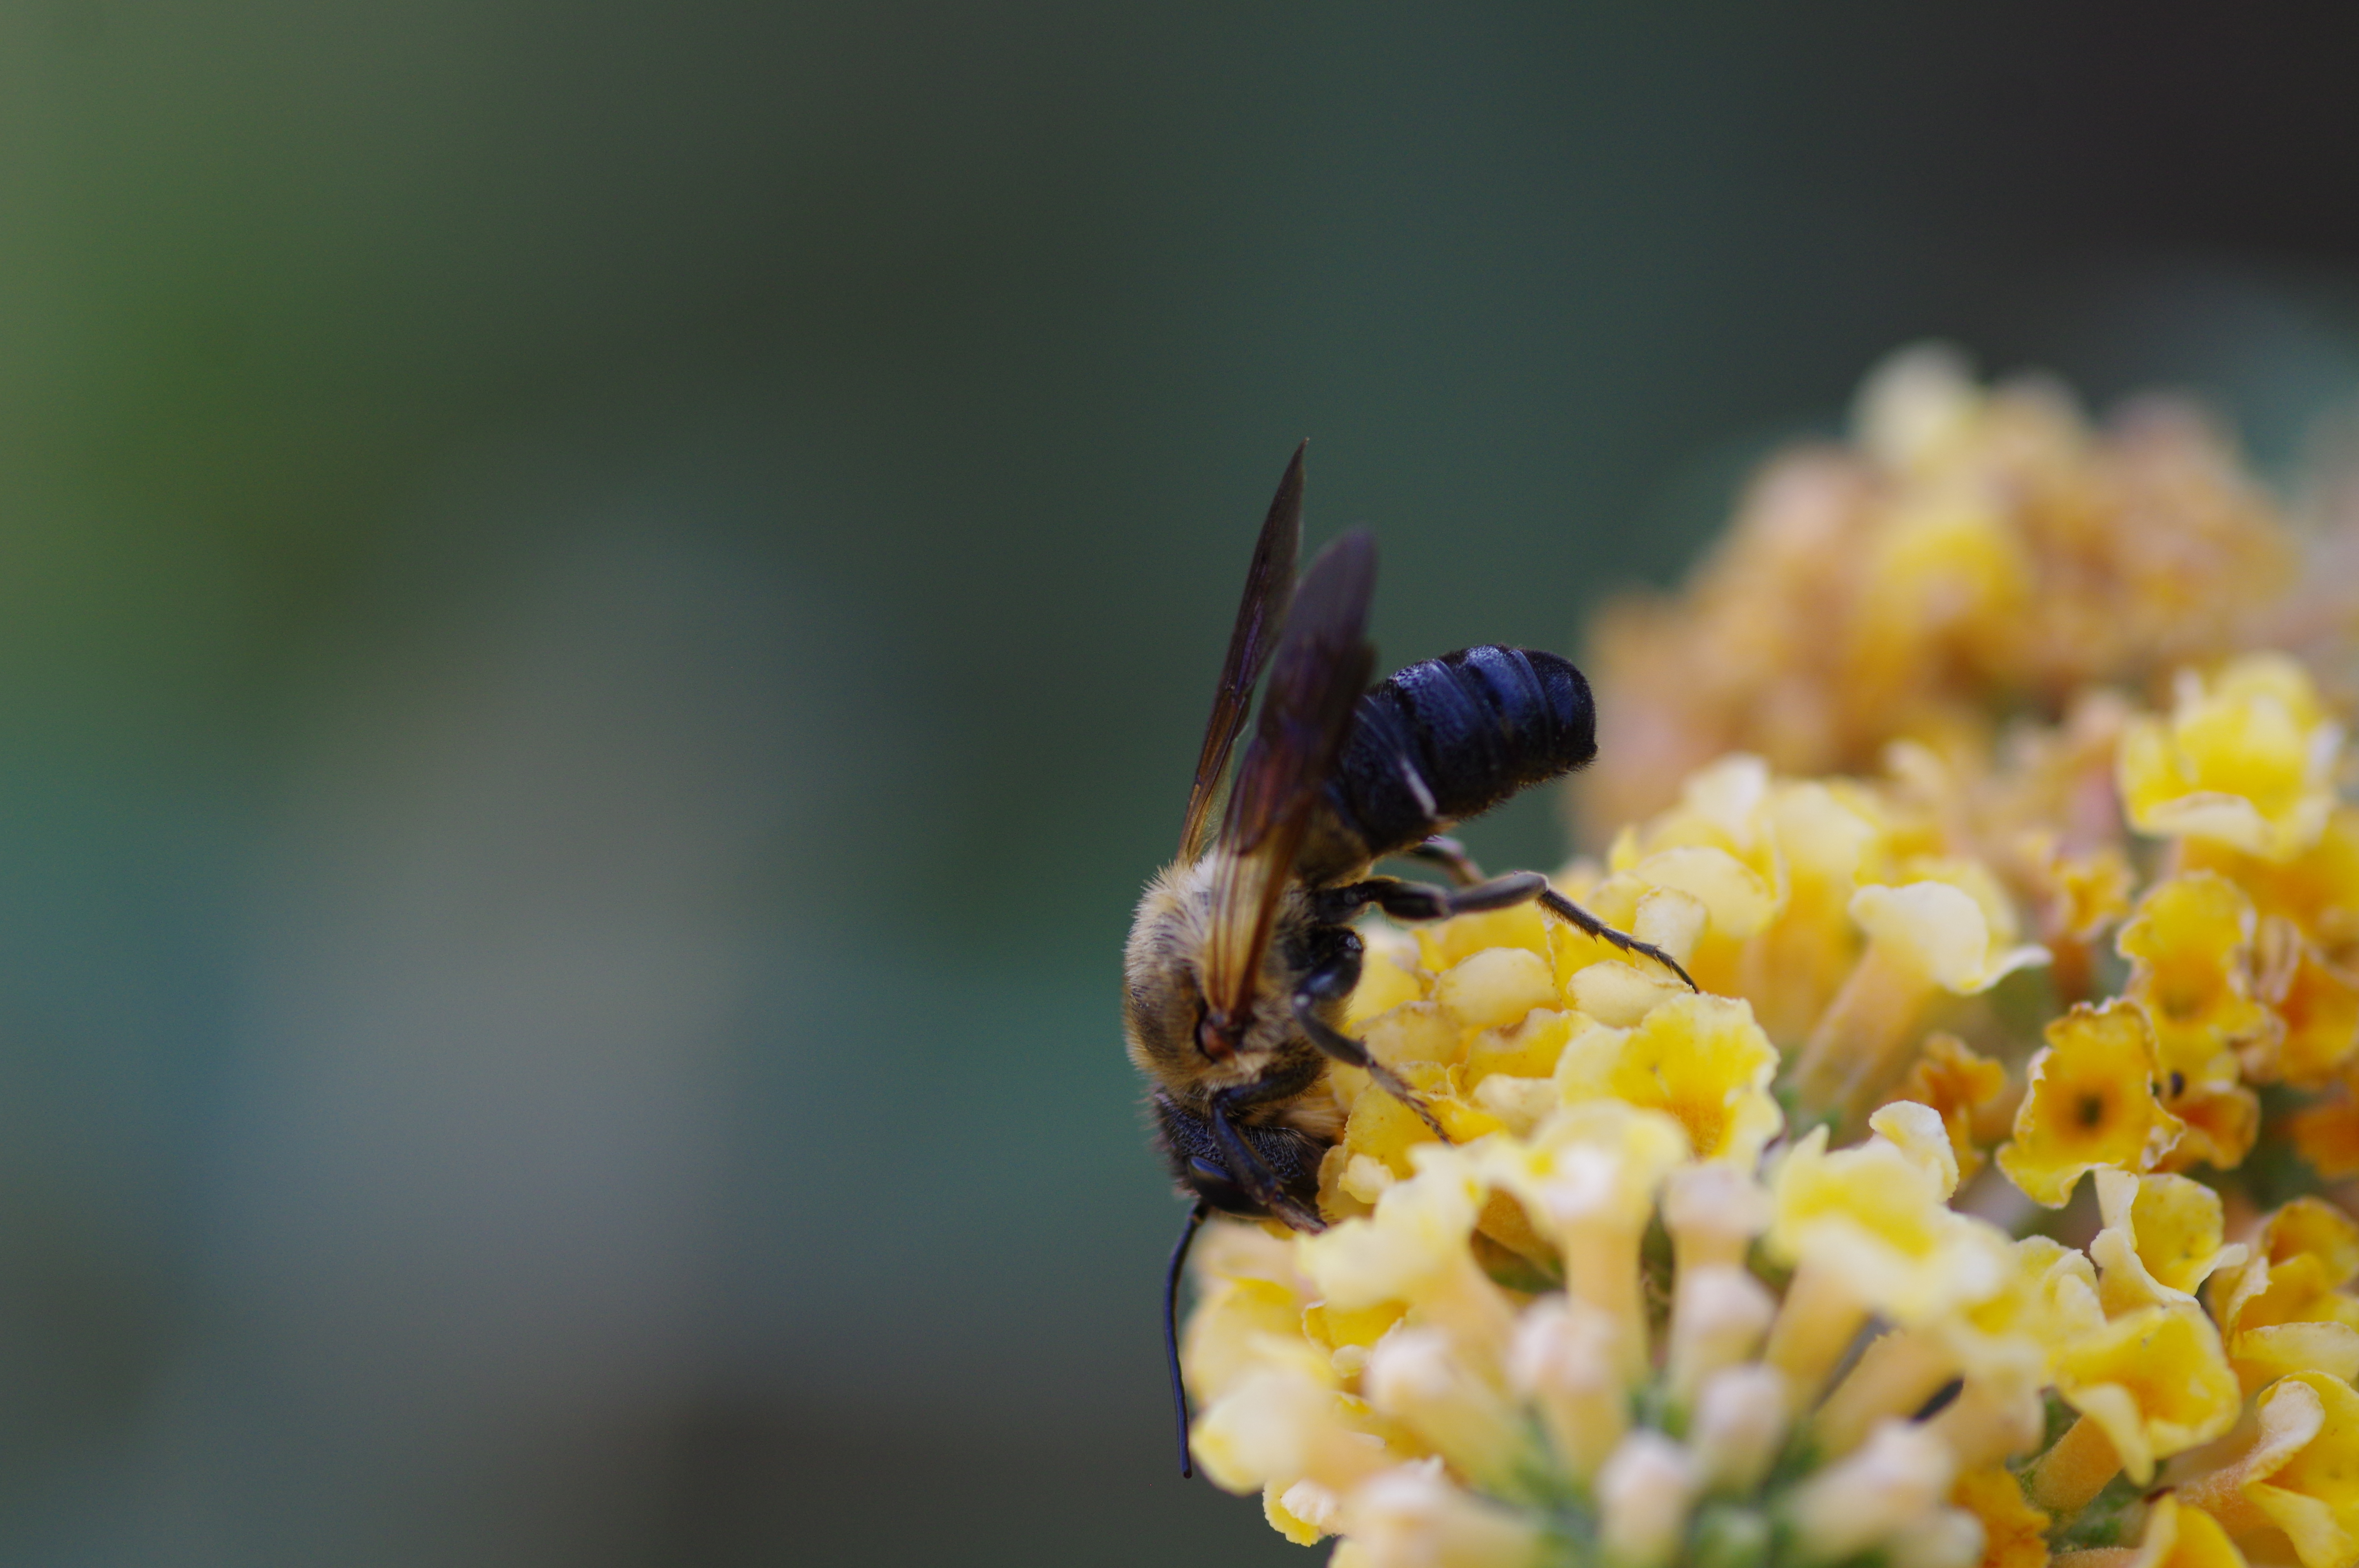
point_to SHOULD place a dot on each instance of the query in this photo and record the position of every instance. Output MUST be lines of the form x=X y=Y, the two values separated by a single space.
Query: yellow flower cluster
x=1802 y=1269
x=1973 y=553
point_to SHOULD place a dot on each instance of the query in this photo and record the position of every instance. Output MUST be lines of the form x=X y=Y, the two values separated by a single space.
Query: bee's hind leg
x=1424 y=901
x=1572 y=914
x=1450 y=856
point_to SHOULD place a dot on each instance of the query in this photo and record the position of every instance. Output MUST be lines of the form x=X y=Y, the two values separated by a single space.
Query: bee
x=1242 y=955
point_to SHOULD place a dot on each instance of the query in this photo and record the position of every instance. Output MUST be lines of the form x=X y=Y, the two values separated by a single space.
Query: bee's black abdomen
x=1452 y=737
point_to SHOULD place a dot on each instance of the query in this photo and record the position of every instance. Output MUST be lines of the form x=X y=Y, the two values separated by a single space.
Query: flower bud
x=1713 y=1212
x=1738 y=1425
x=1565 y=1363
x=1718 y=1318
x=1951 y=1538
x=1894 y=1482
x=1644 y=1493
x=1409 y=1516
x=1414 y=1377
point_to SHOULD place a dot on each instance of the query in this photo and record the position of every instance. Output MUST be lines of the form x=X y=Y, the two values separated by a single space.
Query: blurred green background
x=603 y=607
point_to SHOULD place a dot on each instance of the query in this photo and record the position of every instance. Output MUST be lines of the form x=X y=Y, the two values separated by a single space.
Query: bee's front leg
x=1244 y=1163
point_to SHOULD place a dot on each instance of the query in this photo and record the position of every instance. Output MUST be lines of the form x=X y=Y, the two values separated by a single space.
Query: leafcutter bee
x=1242 y=955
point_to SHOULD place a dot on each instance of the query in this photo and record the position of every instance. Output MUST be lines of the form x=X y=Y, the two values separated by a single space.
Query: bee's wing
x=1267 y=582
x=1321 y=669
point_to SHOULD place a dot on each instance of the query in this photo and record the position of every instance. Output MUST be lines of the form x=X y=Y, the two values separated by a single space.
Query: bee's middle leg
x=1352 y=1054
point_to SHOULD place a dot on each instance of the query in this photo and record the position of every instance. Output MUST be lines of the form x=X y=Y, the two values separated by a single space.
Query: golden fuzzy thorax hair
x=1163 y=995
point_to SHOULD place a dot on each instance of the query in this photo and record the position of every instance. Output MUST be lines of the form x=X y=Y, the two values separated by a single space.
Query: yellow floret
x=2246 y=760
x=2313 y=1495
x=2094 y=1099
x=2015 y=1534
x=2182 y=1536
x=1496 y=987
x=2326 y=1135
x=2155 y=1382
x=2317 y=1007
x=1700 y=1058
x=1964 y=1088
x=2162 y=1239
x=2283 y=1310
x=2317 y=889
x=2190 y=945
x=1924 y=938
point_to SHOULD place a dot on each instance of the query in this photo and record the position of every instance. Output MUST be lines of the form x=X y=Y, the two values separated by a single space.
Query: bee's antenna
x=1171 y=1330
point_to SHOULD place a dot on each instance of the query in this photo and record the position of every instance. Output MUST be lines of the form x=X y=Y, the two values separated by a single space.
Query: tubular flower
x=2245 y=761
x=2094 y=1099
x=1926 y=938
x=2316 y=1004
x=2302 y=1473
x=2147 y=1385
x=2282 y=1309
x=1726 y=1280
x=1869 y=1231
x=2326 y=1134
x=2317 y=889
x=2015 y=1534
x=2161 y=1240
x=2190 y=945
x=1700 y=1059
x=2177 y=1535
x=1967 y=1090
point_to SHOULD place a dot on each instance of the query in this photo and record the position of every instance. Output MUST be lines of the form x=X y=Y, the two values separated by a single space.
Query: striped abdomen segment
x=1452 y=737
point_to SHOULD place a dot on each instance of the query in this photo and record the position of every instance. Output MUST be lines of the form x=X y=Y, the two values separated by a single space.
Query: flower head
x=1719 y=1280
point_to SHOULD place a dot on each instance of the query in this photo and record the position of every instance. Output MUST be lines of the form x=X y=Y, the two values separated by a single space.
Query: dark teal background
x=603 y=607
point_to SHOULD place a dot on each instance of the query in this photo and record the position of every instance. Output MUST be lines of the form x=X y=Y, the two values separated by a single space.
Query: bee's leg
x=1247 y=1168
x=1352 y=1054
x=1423 y=901
x=1572 y=914
x=1172 y=1330
x=1452 y=857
